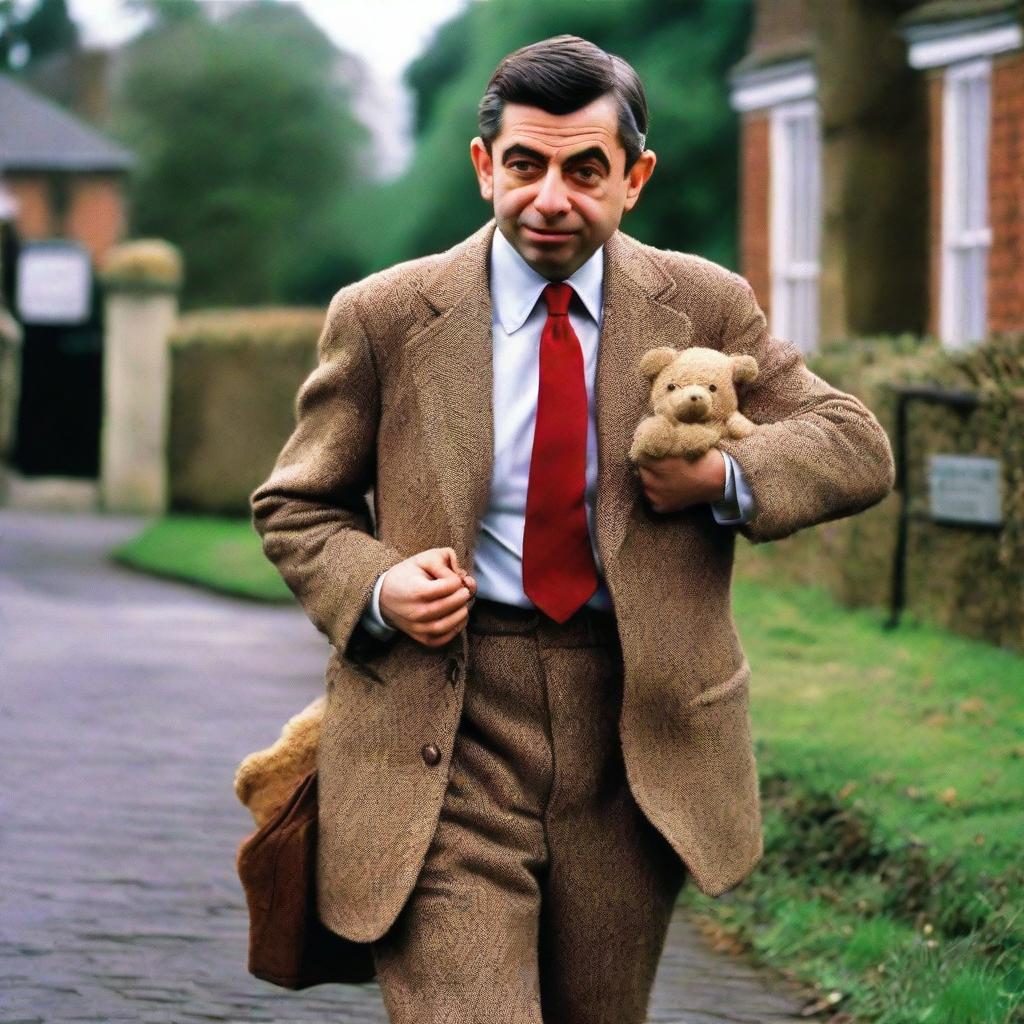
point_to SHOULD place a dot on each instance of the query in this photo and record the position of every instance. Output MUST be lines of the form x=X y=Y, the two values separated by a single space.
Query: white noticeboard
x=965 y=489
x=53 y=283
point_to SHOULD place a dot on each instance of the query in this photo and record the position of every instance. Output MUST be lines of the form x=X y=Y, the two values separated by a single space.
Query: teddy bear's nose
x=696 y=408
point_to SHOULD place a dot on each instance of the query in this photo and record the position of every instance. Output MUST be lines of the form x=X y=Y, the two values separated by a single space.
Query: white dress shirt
x=517 y=321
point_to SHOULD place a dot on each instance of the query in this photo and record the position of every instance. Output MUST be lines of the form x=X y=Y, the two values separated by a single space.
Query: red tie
x=559 y=574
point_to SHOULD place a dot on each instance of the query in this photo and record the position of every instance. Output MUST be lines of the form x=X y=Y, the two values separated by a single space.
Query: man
x=519 y=765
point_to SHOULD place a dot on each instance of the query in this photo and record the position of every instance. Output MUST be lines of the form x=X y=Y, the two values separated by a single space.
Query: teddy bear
x=693 y=401
x=266 y=778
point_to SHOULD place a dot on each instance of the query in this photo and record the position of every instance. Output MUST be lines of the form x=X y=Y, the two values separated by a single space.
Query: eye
x=587 y=173
x=711 y=387
x=671 y=387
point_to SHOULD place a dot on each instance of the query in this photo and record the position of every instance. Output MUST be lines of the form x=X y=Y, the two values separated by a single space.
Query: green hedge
x=969 y=581
x=234 y=379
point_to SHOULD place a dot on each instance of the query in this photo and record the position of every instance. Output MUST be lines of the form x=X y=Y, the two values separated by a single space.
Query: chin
x=550 y=261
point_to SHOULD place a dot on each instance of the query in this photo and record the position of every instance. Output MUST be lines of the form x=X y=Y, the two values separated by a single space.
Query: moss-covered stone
x=143 y=264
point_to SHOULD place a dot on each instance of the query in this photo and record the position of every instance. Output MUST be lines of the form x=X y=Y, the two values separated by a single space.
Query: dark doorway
x=60 y=407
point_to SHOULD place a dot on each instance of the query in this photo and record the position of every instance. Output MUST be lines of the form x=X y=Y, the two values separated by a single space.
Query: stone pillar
x=141 y=281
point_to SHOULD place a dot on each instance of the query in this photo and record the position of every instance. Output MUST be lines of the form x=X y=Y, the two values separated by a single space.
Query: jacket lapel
x=636 y=319
x=452 y=369
x=451 y=361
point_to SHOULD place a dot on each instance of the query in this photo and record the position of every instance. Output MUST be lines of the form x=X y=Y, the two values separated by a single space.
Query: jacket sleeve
x=817 y=453
x=312 y=512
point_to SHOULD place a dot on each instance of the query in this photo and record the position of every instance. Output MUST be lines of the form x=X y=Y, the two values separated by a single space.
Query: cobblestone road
x=126 y=704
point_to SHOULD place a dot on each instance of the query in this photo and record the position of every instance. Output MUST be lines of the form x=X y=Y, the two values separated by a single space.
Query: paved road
x=126 y=704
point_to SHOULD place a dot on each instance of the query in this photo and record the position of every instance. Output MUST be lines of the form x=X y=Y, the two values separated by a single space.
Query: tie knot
x=558 y=295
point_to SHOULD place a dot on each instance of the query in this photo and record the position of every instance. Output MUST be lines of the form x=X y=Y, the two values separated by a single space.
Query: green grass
x=892 y=777
x=892 y=769
x=221 y=554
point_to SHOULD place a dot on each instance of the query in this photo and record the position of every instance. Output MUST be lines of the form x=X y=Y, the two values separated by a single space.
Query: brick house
x=882 y=167
x=62 y=177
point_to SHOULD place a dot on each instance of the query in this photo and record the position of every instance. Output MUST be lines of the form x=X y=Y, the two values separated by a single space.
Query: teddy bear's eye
x=671 y=387
x=711 y=387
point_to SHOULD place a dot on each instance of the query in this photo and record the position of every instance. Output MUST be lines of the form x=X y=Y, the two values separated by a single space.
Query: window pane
x=962 y=150
x=795 y=223
x=972 y=154
x=793 y=139
x=977 y=266
x=965 y=145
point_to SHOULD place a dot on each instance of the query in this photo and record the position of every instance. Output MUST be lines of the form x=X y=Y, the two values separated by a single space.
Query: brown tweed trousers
x=401 y=402
x=546 y=894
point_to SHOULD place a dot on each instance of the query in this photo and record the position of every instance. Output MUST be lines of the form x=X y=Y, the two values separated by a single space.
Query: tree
x=166 y=12
x=29 y=33
x=245 y=137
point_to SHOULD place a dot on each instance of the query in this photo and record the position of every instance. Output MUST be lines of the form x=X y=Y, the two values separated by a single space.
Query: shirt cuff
x=372 y=620
x=737 y=505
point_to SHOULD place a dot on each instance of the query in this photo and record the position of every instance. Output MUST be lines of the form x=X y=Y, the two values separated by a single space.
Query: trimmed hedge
x=234 y=379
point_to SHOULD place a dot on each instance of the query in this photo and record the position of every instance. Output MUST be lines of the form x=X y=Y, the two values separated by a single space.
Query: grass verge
x=892 y=771
x=222 y=554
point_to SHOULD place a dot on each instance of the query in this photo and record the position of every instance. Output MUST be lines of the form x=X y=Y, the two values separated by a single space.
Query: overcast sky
x=386 y=34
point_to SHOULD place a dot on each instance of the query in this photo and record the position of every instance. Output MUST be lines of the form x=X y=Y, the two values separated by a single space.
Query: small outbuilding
x=62 y=186
x=66 y=180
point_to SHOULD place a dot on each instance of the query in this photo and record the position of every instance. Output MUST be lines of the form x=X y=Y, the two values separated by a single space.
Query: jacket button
x=453 y=670
x=430 y=753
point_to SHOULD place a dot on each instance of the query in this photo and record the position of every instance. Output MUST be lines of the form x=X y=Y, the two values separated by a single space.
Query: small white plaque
x=53 y=283
x=965 y=489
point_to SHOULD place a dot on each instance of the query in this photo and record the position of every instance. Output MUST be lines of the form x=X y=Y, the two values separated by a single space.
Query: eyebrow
x=593 y=153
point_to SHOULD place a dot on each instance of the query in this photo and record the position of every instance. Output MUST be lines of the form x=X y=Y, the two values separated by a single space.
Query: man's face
x=558 y=182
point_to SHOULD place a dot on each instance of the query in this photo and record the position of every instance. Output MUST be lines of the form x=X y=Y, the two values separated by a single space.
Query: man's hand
x=427 y=596
x=674 y=483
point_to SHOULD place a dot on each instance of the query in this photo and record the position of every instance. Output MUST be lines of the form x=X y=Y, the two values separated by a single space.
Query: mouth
x=544 y=235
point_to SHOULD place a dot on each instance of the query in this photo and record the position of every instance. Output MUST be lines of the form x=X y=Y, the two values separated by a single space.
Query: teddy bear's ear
x=744 y=369
x=653 y=362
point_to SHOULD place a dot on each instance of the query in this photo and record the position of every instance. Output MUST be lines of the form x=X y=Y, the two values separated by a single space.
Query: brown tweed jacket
x=400 y=403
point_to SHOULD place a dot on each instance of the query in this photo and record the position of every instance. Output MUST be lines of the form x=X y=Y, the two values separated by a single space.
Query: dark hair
x=563 y=74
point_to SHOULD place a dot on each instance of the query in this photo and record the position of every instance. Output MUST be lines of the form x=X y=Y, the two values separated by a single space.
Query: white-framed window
x=966 y=233
x=795 y=221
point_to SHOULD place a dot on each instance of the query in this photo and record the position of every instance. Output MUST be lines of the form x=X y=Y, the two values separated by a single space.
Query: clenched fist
x=427 y=596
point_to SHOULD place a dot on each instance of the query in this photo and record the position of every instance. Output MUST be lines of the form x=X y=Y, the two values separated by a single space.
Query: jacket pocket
x=737 y=684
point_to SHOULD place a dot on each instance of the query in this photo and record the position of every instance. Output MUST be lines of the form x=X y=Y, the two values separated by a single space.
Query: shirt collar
x=516 y=286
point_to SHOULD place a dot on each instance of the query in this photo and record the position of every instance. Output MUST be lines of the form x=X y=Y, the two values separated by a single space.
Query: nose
x=553 y=199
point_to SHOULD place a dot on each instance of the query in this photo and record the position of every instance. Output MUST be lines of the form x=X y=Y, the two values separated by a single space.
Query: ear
x=744 y=369
x=653 y=362
x=638 y=175
x=483 y=166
